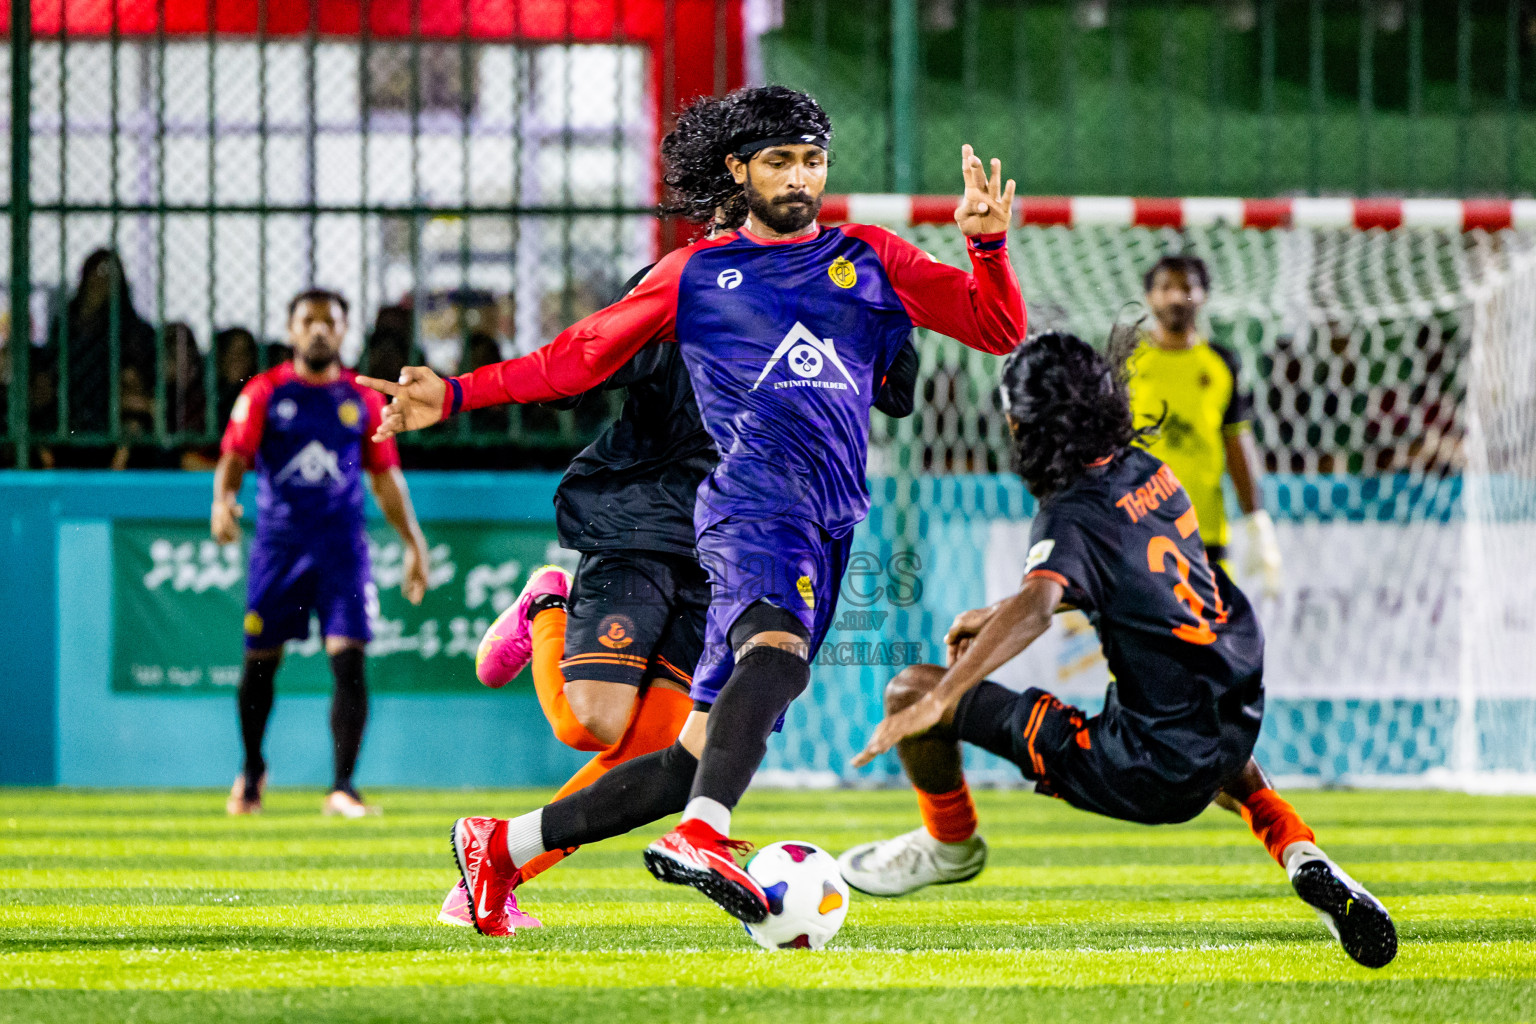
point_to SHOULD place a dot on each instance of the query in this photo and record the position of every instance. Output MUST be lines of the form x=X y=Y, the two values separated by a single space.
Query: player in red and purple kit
x=784 y=326
x=307 y=428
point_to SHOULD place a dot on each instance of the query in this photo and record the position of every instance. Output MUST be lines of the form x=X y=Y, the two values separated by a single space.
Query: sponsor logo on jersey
x=729 y=278
x=806 y=356
x=315 y=465
x=349 y=413
x=843 y=273
x=286 y=409
x=615 y=631
x=807 y=591
x=1037 y=554
x=242 y=408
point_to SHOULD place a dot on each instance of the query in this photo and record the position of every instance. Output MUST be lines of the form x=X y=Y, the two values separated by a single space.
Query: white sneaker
x=339 y=804
x=1355 y=917
x=895 y=867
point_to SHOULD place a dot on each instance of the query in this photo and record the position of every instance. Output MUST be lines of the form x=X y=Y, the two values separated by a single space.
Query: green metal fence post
x=1367 y=89
x=904 y=94
x=21 y=230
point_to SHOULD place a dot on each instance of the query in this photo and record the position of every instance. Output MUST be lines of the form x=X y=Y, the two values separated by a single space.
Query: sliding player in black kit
x=1116 y=537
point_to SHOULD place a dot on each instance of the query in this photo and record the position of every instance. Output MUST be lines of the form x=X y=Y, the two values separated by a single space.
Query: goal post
x=1391 y=348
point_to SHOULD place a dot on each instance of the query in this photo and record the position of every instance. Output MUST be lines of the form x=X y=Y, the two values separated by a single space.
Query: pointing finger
x=385 y=386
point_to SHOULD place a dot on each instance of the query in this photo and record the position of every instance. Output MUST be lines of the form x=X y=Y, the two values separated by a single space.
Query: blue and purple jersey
x=309 y=444
x=787 y=343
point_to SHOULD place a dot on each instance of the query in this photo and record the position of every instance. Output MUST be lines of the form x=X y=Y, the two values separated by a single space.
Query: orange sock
x=549 y=682
x=657 y=719
x=949 y=817
x=1275 y=822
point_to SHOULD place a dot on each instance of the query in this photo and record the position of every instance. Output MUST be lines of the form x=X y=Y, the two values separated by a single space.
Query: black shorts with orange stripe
x=634 y=616
x=1101 y=763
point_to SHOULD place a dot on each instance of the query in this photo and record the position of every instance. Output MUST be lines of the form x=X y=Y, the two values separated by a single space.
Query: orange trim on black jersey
x=1049 y=574
x=628 y=660
x=679 y=674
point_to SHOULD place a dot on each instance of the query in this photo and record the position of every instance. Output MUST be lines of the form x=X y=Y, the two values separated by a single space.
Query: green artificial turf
x=120 y=906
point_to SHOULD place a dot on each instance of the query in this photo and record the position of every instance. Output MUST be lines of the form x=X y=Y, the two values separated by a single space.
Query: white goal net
x=1394 y=375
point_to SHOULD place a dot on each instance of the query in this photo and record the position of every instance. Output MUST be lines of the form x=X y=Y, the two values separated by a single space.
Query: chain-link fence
x=469 y=195
x=476 y=175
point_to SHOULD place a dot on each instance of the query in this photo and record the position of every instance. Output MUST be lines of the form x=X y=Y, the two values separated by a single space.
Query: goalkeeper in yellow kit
x=1196 y=387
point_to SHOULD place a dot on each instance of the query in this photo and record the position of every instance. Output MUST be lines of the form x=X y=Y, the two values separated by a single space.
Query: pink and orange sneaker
x=456 y=910
x=695 y=854
x=508 y=645
x=489 y=877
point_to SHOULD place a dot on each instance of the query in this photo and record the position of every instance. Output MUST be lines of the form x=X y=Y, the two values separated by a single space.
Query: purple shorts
x=286 y=583
x=789 y=562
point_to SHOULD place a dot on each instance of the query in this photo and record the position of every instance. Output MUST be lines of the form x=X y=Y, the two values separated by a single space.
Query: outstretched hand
x=987 y=205
x=415 y=402
x=909 y=721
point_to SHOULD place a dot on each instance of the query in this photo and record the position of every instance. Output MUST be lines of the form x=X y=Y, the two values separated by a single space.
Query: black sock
x=349 y=713
x=255 y=703
x=634 y=793
x=766 y=679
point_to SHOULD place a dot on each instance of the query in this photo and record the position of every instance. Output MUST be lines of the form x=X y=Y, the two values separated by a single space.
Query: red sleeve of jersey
x=378 y=456
x=242 y=436
x=584 y=354
x=983 y=309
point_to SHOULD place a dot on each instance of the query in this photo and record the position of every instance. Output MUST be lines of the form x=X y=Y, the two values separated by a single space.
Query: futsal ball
x=807 y=897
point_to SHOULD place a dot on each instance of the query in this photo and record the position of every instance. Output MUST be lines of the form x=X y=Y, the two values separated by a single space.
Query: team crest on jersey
x=807 y=591
x=615 y=632
x=349 y=413
x=253 y=624
x=1037 y=554
x=843 y=273
x=286 y=409
x=806 y=355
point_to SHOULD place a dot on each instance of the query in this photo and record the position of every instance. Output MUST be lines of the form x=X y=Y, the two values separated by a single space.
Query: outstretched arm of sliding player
x=983 y=309
x=1000 y=635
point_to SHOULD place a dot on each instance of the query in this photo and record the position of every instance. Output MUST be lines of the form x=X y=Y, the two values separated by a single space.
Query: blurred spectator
x=85 y=333
x=389 y=345
x=482 y=350
x=181 y=367
x=235 y=351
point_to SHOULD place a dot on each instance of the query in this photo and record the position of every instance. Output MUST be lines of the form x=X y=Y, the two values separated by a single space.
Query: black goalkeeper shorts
x=635 y=615
x=1067 y=755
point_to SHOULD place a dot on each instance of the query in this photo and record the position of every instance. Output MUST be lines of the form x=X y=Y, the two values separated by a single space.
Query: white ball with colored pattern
x=807 y=897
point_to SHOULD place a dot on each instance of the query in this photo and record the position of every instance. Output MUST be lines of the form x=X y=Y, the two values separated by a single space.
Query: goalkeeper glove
x=1262 y=559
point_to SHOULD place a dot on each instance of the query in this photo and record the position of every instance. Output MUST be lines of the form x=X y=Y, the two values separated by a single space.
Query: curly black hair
x=1068 y=406
x=693 y=153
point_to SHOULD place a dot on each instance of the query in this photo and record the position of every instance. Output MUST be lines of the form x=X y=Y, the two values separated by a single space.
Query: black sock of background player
x=634 y=793
x=349 y=713
x=765 y=680
x=255 y=703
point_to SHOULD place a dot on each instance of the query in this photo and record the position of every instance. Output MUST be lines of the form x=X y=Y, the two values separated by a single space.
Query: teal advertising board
x=178 y=600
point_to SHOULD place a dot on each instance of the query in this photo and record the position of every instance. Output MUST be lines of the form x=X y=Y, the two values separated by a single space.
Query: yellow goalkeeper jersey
x=1206 y=402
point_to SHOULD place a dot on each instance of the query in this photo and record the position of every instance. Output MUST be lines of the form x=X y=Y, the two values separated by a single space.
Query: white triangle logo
x=801 y=335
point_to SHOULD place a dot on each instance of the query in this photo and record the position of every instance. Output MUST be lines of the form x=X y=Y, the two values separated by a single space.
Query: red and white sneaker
x=508 y=645
x=487 y=885
x=456 y=910
x=695 y=854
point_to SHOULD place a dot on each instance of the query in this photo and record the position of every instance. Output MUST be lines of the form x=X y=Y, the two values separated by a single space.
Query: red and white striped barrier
x=1124 y=211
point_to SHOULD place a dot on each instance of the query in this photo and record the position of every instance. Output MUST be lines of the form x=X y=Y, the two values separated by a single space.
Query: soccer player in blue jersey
x=785 y=326
x=307 y=429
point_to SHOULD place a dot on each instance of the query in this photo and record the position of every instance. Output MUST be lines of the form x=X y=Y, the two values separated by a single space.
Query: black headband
x=748 y=146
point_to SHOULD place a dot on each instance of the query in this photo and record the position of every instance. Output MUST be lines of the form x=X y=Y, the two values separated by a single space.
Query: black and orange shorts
x=1066 y=755
x=635 y=615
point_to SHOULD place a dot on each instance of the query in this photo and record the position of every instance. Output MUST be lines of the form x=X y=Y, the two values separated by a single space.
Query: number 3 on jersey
x=1158 y=550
